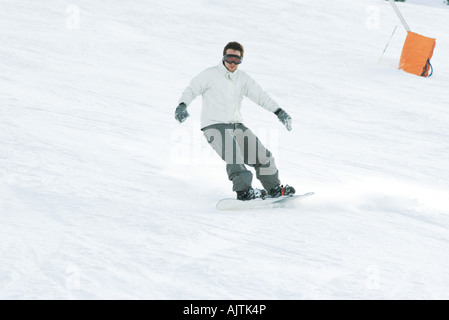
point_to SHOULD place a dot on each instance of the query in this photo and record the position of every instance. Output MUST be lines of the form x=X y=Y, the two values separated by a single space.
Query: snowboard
x=234 y=204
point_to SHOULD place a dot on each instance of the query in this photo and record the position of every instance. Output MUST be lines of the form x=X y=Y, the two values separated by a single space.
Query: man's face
x=232 y=66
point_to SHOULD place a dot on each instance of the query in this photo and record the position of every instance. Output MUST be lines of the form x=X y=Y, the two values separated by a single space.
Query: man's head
x=232 y=55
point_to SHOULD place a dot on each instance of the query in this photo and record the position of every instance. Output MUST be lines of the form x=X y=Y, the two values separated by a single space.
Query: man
x=223 y=88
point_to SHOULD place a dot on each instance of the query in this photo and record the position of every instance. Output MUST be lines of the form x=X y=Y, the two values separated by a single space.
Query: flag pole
x=404 y=23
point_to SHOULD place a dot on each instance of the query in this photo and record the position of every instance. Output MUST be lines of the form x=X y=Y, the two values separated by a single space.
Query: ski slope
x=103 y=195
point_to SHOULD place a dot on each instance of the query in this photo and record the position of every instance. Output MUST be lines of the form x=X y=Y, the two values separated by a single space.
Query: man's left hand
x=284 y=118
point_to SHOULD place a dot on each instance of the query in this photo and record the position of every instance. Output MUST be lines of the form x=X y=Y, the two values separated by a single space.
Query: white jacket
x=223 y=92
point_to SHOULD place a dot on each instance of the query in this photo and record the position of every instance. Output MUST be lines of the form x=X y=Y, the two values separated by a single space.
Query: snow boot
x=279 y=191
x=251 y=194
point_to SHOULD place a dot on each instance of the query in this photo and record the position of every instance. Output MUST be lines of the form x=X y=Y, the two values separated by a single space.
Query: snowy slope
x=103 y=195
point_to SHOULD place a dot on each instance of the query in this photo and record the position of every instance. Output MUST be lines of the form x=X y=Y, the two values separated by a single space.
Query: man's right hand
x=181 y=113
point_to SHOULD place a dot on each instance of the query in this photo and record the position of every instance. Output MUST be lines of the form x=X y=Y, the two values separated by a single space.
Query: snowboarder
x=222 y=88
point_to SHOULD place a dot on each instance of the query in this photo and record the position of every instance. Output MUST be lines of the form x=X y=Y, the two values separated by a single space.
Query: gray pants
x=237 y=145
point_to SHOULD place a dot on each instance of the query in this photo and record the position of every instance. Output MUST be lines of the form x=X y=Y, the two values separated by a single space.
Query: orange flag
x=416 y=54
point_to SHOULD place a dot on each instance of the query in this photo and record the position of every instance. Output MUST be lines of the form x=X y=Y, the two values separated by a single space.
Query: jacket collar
x=226 y=72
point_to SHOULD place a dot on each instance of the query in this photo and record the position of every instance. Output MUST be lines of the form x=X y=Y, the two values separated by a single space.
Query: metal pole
x=400 y=15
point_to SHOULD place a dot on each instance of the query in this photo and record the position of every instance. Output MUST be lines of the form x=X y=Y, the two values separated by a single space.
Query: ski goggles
x=232 y=58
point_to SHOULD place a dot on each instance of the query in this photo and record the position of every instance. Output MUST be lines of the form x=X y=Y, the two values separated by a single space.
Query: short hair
x=234 y=46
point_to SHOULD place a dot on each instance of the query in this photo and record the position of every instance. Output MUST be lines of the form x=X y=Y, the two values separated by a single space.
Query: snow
x=103 y=195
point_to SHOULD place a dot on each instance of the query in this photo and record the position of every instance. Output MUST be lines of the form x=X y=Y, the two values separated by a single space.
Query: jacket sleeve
x=196 y=87
x=259 y=96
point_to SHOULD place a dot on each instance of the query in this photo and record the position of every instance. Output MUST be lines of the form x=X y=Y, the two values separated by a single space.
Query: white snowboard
x=234 y=204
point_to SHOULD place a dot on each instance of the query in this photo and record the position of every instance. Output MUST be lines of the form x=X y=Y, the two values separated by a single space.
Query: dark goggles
x=232 y=58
